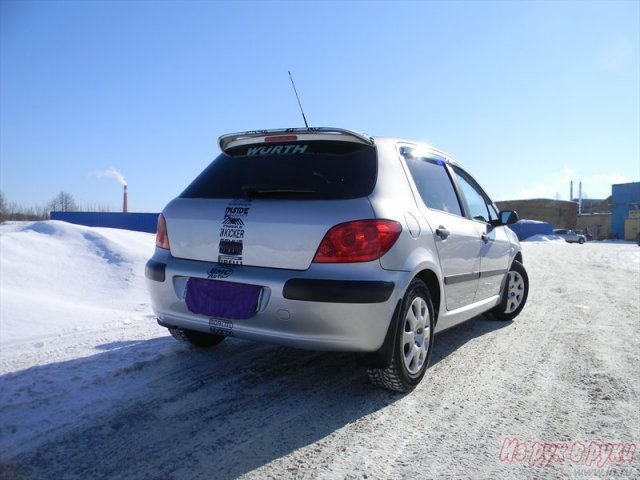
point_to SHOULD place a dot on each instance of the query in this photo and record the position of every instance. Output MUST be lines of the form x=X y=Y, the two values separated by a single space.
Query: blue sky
x=527 y=95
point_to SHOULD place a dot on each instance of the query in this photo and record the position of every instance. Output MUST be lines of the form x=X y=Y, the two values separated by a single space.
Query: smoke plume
x=113 y=173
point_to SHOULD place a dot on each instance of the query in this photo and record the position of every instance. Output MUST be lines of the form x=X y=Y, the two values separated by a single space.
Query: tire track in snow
x=560 y=372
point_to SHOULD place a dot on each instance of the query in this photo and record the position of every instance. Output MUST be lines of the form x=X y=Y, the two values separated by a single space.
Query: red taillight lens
x=358 y=241
x=162 y=237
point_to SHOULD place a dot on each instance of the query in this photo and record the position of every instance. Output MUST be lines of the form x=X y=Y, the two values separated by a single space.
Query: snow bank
x=544 y=238
x=536 y=222
x=57 y=277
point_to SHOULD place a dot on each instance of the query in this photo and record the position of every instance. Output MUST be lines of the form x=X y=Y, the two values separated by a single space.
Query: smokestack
x=571 y=191
x=125 y=206
x=579 y=198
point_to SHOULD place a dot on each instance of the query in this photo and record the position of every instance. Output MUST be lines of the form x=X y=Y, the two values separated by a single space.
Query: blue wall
x=138 y=222
x=625 y=197
x=528 y=228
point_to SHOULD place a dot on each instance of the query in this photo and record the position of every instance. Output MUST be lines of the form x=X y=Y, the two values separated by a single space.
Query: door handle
x=442 y=232
x=485 y=238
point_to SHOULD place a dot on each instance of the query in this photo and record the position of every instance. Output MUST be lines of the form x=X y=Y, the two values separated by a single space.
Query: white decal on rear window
x=277 y=150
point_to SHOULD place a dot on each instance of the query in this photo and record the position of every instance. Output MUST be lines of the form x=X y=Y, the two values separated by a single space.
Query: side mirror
x=508 y=217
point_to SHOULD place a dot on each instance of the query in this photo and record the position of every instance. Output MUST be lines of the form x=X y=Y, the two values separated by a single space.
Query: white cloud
x=599 y=186
x=557 y=186
x=616 y=54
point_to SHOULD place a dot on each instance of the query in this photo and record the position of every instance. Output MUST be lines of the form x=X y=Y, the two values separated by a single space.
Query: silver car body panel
x=272 y=233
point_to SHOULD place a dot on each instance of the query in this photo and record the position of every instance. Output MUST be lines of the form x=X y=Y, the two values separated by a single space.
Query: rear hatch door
x=269 y=203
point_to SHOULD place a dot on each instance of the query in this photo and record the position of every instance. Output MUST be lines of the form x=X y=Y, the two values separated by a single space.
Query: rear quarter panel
x=415 y=250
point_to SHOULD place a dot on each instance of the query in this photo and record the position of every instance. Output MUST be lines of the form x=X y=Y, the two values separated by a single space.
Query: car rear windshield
x=314 y=170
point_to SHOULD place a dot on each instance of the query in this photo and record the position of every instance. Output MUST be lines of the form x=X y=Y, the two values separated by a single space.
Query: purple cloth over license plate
x=235 y=301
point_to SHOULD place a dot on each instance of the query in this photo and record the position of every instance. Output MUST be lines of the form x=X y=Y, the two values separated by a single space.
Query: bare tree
x=17 y=213
x=63 y=202
x=4 y=209
x=95 y=207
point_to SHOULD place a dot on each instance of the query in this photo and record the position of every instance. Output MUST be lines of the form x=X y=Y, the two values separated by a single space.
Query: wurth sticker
x=277 y=150
x=232 y=232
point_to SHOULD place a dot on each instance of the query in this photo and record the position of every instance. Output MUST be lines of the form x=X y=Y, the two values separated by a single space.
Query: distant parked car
x=570 y=235
x=586 y=234
x=332 y=240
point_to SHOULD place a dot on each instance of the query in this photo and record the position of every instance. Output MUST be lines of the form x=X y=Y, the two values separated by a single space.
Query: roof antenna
x=300 y=104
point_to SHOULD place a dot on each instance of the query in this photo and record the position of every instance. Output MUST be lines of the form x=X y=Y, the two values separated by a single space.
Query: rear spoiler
x=291 y=135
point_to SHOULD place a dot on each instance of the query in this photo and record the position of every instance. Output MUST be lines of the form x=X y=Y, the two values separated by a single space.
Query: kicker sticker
x=232 y=232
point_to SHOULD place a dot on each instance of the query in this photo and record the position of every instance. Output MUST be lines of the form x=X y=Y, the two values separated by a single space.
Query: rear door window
x=432 y=181
x=315 y=170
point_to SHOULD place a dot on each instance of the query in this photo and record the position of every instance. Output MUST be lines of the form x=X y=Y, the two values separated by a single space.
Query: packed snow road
x=97 y=390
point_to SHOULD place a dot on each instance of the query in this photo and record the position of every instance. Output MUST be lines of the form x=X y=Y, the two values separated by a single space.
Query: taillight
x=281 y=138
x=162 y=237
x=358 y=241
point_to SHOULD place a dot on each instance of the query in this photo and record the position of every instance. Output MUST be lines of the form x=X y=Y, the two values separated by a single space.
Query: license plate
x=235 y=301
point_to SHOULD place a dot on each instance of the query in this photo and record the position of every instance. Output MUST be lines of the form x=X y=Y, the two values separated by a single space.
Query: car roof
x=422 y=149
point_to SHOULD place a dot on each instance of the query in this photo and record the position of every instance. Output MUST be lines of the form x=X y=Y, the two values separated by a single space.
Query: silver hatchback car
x=332 y=240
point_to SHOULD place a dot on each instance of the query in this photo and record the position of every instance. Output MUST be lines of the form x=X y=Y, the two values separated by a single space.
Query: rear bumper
x=327 y=307
x=155 y=271
x=337 y=291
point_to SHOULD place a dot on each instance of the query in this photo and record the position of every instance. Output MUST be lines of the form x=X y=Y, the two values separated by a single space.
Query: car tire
x=581 y=241
x=198 y=339
x=413 y=343
x=514 y=293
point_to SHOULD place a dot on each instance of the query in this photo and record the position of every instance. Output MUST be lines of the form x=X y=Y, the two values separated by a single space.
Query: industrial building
x=615 y=217
x=625 y=210
x=559 y=213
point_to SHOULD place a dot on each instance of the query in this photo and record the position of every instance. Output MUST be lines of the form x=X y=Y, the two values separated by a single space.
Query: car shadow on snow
x=450 y=340
x=159 y=409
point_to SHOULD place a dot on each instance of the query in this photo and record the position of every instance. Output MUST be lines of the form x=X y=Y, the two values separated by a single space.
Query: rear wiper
x=274 y=190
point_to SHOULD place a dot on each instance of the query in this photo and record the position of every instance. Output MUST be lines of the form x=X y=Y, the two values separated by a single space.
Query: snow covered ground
x=91 y=387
